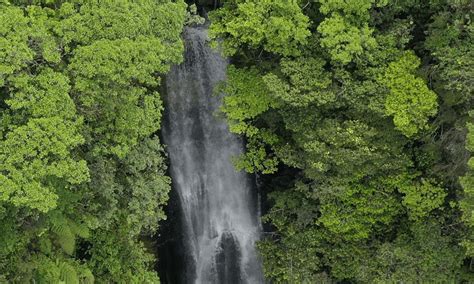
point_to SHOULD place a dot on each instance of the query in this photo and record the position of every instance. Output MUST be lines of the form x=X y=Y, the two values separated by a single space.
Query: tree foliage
x=358 y=114
x=361 y=130
x=409 y=101
x=277 y=26
x=82 y=175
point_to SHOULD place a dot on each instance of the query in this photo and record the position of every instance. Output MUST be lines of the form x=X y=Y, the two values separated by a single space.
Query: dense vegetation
x=82 y=174
x=358 y=115
x=358 y=111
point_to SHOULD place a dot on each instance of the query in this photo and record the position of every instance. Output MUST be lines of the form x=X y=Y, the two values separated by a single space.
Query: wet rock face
x=206 y=5
x=227 y=260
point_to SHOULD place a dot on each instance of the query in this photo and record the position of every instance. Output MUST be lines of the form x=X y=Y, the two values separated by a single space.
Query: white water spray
x=220 y=215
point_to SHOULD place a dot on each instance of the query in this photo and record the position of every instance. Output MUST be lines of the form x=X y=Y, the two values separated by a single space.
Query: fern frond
x=79 y=229
x=67 y=241
x=68 y=273
x=66 y=231
x=59 y=224
x=87 y=277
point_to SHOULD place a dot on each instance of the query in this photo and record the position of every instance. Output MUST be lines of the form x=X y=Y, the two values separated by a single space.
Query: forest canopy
x=355 y=112
x=357 y=117
x=82 y=172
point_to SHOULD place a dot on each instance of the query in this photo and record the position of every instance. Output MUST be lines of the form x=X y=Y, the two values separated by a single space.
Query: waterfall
x=219 y=207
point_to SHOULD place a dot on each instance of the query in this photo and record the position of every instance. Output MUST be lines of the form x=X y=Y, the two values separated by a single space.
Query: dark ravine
x=211 y=237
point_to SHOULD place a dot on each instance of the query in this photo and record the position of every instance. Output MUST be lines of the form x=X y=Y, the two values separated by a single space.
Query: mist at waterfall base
x=213 y=213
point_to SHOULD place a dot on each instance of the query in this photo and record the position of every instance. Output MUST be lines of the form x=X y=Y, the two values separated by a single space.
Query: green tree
x=350 y=127
x=409 y=101
x=277 y=26
x=82 y=176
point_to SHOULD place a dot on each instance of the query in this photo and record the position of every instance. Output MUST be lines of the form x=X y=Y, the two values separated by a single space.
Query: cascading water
x=219 y=215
